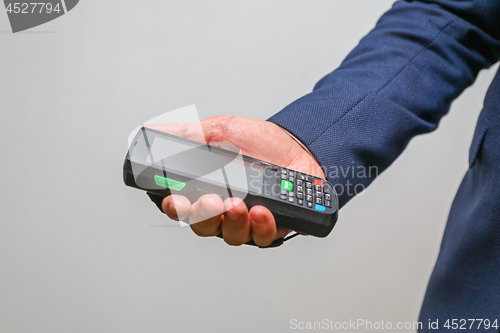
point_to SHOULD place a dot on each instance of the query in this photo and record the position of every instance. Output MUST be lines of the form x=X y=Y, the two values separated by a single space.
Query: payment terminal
x=165 y=164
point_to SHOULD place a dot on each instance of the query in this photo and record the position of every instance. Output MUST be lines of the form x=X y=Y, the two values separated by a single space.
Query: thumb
x=191 y=131
x=204 y=131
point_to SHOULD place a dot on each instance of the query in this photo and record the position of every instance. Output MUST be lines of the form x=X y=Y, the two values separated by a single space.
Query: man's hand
x=256 y=138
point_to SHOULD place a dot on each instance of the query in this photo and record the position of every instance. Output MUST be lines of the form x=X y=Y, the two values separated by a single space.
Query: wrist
x=299 y=142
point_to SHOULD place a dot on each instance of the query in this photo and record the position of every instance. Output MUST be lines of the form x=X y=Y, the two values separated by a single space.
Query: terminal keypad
x=304 y=190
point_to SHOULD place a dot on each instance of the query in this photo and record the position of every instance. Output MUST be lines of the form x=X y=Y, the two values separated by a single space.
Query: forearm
x=398 y=83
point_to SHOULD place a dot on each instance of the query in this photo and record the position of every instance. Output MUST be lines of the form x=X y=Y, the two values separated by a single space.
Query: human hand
x=256 y=138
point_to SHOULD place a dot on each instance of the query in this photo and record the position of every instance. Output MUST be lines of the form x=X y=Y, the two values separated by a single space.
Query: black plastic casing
x=301 y=219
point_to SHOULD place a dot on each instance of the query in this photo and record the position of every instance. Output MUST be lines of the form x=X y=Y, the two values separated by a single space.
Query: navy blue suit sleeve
x=397 y=83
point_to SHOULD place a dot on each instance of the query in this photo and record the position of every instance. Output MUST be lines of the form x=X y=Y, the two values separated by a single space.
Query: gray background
x=80 y=252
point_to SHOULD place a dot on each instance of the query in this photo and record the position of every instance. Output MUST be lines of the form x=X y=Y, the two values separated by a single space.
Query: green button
x=286 y=185
x=169 y=183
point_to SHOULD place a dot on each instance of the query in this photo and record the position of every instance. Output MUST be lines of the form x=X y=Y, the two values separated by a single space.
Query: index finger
x=177 y=207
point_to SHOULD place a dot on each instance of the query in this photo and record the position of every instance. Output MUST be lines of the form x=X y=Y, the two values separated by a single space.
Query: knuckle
x=221 y=127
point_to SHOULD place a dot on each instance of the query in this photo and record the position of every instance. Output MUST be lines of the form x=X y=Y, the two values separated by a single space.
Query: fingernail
x=257 y=222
